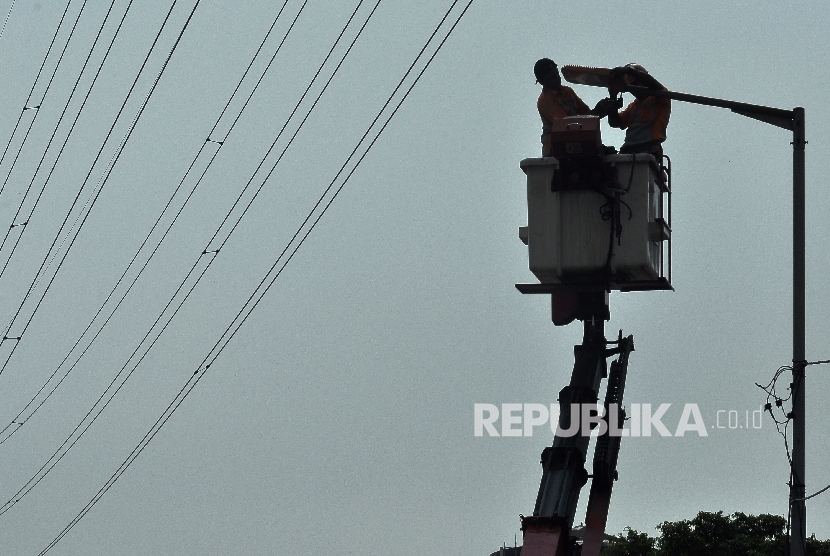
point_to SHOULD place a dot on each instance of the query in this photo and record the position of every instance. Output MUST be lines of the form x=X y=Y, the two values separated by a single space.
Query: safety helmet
x=630 y=79
x=542 y=68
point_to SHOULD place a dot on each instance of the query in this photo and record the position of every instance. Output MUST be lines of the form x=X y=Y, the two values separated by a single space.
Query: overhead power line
x=258 y=294
x=90 y=202
x=118 y=381
x=26 y=105
x=8 y=15
x=32 y=482
x=19 y=420
x=23 y=226
x=814 y=494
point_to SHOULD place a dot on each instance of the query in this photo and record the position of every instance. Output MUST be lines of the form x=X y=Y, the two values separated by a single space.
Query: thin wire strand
x=239 y=84
x=188 y=387
x=812 y=495
x=46 y=91
x=50 y=464
x=336 y=193
x=794 y=479
x=8 y=15
x=17 y=419
x=63 y=146
x=29 y=96
x=90 y=201
x=69 y=442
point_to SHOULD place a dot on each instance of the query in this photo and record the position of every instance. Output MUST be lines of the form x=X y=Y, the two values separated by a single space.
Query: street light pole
x=798 y=510
x=794 y=121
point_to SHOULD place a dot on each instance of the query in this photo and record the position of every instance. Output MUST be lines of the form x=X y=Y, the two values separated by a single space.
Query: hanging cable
x=24 y=225
x=194 y=379
x=231 y=331
x=813 y=495
x=773 y=398
x=19 y=420
x=8 y=15
x=32 y=482
x=87 y=207
x=26 y=105
x=112 y=389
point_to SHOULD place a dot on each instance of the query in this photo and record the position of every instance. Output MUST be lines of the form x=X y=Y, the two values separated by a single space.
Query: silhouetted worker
x=646 y=118
x=556 y=100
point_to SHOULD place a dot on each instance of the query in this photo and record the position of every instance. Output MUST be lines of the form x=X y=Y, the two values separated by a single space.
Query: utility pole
x=792 y=120
x=798 y=509
x=550 y=233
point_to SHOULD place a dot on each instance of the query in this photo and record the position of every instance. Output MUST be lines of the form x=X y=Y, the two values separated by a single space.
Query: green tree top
x=714 y=534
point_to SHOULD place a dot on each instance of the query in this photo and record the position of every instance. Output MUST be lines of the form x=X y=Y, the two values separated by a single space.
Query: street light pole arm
x=775 y=116
x=792 y=120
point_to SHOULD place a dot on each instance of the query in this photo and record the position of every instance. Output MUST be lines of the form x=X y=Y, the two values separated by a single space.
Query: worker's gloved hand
x=602 y=107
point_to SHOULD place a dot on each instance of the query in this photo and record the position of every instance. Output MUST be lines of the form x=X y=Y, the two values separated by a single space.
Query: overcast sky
x=339 y=418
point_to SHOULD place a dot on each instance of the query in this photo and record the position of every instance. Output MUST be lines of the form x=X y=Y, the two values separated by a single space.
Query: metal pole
x=798 y=534
x=792 y=120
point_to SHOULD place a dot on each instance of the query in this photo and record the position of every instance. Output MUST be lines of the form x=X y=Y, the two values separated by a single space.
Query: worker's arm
x=581 y=108
x=623 y=119
x=607 y=106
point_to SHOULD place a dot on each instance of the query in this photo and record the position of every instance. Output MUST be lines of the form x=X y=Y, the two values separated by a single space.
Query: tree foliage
x=714 y=534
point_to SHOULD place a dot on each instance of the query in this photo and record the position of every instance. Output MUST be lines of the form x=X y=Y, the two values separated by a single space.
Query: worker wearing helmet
x=646 y=118
x=556 y=100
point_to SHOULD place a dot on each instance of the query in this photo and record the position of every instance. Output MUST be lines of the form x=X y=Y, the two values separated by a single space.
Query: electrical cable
x=24 y=225
x=46 y=91
x=32 y=482
x=328 y=204
x=190 y=384
x=69 y=442
x=812 y=495
x=794 y=479
x=29 y=97
x=228 y=331
x=17 y=419
x=8 y=15
x=94 y=195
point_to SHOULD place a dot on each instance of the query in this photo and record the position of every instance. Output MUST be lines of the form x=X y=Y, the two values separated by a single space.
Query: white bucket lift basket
x=572 y=235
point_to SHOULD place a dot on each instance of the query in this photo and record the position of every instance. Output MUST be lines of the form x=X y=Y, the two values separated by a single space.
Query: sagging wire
x=786 y=417
x=15 y=223
x=812 y=495
x=57 y=454
x=611 y=209
x=81 y=218
x=20 y=419
x=31 y=106
x=825 y=489
x=8 y=15
x=260 y=292
x=772 y=394
x=115 y=386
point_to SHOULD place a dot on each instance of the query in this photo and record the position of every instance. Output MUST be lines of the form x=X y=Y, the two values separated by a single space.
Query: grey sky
x=340 y=418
